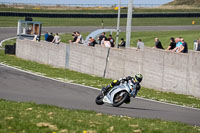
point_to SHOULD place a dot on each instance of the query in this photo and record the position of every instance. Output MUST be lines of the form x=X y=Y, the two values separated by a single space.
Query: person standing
x=158 y=44
x=122 y=43
x=79 y=39
x=112 y=41
x=50 y=37
x=106 y=43
x=102 y=37
x=74 y=38
x=140 y=44
x=178 y=44
x=92 y=42
x=46 y=35
x=56 y=39
x=183 y=48
x=172 y=44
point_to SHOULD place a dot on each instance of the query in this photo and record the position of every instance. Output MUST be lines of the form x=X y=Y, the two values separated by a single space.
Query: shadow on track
x=131 y=108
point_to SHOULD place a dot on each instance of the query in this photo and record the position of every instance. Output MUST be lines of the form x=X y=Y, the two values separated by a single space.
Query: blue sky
x=87 y=1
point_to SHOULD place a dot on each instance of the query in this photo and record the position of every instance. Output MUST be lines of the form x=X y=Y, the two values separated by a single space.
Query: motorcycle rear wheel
x=99 y=99
x=119 y=100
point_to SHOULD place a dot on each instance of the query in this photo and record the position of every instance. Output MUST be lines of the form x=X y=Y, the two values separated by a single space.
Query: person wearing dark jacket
x=158 y=44
x=122 y=43
x=50 y=37
x=112 y=41
x=183 y=48
x=92 y=42
x=172 y=44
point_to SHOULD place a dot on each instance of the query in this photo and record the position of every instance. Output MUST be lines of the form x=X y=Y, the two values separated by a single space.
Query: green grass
x=9 y=42
x=94 y=81
x=62 y=10
x=96 y=10
x=12 y=21
x=185 y=2
x=18 y=117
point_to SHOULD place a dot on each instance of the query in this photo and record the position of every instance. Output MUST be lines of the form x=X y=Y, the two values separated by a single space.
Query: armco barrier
x=162 y=70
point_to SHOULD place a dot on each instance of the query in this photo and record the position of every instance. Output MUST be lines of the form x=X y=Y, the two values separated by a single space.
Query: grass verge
x=94 y=81
x=18 y=117
x=95 y=10
x=12 y=21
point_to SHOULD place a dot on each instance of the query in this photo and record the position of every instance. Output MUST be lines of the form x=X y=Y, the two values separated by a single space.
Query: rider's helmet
x=138 y=78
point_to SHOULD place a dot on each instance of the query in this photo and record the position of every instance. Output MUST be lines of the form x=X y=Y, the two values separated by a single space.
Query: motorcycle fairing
x=110 y=95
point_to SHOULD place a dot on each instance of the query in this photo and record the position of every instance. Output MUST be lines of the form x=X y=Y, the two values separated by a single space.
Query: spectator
x=46 y=35
x=140 y=44
x=56 y=39
x=50 y=37
x=92 y=42
x=158 y=44
x=122 y=43
x=74 y=37
x=79 y=39
x=36 y=38
x=198 y=45
x=178 y=44
x=106 y=43
x=102 y=37
x=172 y=44
x=112 y=41
x=183 y=48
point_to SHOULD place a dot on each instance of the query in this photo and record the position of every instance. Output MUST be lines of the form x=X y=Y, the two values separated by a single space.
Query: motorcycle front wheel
x=120 y=98
x=99 y=99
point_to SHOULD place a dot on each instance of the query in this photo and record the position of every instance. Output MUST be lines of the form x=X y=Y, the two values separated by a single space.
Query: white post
x=118 y=23
x=129 y=22
x=19 y=28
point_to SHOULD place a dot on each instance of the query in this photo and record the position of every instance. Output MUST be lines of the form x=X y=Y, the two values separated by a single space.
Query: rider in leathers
x=135 y=80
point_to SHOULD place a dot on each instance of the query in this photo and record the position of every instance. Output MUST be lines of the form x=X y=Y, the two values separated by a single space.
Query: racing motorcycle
x=118 y=95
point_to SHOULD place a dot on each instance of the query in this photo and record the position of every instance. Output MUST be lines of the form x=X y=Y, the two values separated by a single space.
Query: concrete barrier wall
x=42 y=52
x=90 y=60
x=175 y=72
x=193 y=77
x=162 y=70
x=123 y=62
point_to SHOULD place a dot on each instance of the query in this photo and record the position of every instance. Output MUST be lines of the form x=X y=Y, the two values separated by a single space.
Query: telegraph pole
x=129 y=22
x=118 y=23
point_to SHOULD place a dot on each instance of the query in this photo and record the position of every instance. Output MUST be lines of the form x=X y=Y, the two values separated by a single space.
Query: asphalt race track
x=6 y=32
x=20 y=86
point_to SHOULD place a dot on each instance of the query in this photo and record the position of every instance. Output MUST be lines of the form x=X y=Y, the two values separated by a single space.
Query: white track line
x=6 y=40
x=29 y=72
